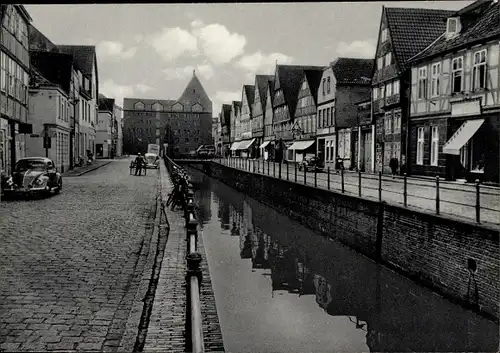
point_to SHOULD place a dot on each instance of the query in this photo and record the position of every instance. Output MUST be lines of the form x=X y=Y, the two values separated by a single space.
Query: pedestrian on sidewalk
x=393 y=164
x=138 y=164
x=339 y=164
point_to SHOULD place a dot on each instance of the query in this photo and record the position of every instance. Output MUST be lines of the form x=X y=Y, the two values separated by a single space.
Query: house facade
x=235 y=127
x=247 y=145
x=118 y=131
x=105 y=128
x=268 y=146
x=305 y=124
x=455 y=100
x=325 y=130
x=14 y=82
x=226 y=129
x=258 y=113
x=365 y=142
x=402 y=34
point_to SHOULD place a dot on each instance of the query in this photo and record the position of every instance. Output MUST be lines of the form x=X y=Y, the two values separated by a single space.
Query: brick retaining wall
x=430 y=249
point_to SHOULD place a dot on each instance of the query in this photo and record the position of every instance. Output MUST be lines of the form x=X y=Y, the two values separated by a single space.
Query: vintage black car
x=311 y=164
x=33 y=175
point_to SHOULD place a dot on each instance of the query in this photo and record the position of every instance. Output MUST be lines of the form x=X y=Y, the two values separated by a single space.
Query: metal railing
x=476 y=202
x=183 y=195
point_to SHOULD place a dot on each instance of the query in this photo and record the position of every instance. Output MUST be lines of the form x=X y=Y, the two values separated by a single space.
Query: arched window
x=328 y=85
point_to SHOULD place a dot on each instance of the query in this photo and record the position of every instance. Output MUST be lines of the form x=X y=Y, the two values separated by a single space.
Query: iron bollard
x=189 y=210
x=405 y=190
x=193 y=265
x=328 y=177
x=437 y=194
x=287 y=176
x=279 y=172
x=359 y=183
x=342 y=179
x=478 y=205
x=380 y=186
x=192 y=225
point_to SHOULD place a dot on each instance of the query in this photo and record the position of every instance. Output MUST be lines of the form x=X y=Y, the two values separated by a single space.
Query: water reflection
x=391 y=312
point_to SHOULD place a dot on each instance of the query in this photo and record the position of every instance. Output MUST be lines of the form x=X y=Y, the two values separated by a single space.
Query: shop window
x=420 y=146
x=479 y=70
x=457 y=69
x=435 y=72
x=434 y=145
x=422 y=83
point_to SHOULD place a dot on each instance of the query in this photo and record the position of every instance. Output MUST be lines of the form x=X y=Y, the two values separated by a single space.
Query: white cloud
x=116 y=50
x=261 y=63
x=224 y=97
x=217 y=43
x=196 y=23
x=358 y=49
x=182 y=73
x=138 y=38
x=171 y=43
x=143 y=88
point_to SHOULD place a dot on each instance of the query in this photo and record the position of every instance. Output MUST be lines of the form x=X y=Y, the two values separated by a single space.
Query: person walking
x=139 y=161
x=393 y=164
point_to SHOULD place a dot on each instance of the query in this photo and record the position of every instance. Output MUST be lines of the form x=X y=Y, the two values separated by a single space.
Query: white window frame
x=435 y=80
x=420 y=145
x=434 y=145
x=375 y=93
x=422 y=83
x=380 y=63
x=478 y=64
x=457 y=72
x=383 y=35
x=388 y=119
x=456 y=29
x=388 y=59
x=388 y=89
x=395 y=87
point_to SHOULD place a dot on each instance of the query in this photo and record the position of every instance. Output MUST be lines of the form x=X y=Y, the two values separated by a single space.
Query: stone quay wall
x=430 y=249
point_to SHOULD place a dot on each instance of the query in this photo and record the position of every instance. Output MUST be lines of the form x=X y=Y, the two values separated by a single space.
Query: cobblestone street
x=69 y=263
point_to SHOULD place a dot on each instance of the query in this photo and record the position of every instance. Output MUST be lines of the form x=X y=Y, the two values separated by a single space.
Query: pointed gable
x=261 y=84
x=411 y=30
x=313 y=80
x=195 y=93
x=226 y=114
x=250 y=93
x=479 y=21
x=353 y=71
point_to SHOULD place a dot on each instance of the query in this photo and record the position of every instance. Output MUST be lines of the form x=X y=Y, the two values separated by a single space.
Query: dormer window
x=383 y=35
x=453 y=26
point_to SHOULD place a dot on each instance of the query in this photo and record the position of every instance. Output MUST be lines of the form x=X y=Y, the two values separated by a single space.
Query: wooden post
x=315 y=178
x=437 y=194
x=342 y=179
x=478 y=204
x=268 y=166
x=279 y=172
x=359 y=183
x=328 y=177
x=305 y=175
x=380 y=186
x=295 y=164
x=405 y=190
x=287 y=176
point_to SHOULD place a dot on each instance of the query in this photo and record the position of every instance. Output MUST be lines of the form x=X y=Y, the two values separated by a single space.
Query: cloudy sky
x=150 y=51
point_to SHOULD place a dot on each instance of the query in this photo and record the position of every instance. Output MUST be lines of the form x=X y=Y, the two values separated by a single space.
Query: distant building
x=247 y=145
x=259 y=113
x=269 y=144
x=182 y=124
x=225 y=117
x=118 y=131
x=105 y=146
x=14 y=81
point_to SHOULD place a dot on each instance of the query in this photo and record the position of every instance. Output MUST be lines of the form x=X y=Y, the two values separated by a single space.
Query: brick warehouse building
x=183 y=124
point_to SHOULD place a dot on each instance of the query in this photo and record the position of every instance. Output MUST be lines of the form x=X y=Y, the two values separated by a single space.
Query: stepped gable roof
x=84 y=56
x=313 y=78
x=480 y=21
x=412 y=29
x=55 y=67
x=106 y=104
x=195 y=93
x=353 y=71
x=290 y=77
x=226 y=114
x=262 y=82
x=250 y=93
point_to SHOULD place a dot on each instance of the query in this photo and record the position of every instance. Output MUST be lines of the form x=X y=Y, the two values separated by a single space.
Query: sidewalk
x=79 y=171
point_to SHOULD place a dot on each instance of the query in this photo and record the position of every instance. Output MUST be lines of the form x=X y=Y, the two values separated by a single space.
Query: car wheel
x=59 y=187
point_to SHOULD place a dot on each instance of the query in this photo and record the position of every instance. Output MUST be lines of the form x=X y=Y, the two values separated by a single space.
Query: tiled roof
x=226 y=113
x=83 y=55
x=195 y=93
x=38 y=41
x=37 y=78
x=250 y=92
x=313 y=78
x=106 y=104
x=480 y=20
x=55 y=67
x=262 y=81
x=270 y=85
x=290 y=77
x=237 y=104
x=353 y=71
x=412 y=30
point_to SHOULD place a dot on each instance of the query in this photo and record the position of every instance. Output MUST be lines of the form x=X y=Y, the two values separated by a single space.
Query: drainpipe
x=373 y=149
x=359 y=148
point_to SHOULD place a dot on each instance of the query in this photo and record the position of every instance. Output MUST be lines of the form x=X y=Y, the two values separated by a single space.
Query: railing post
x=253 y=166
x=279 y=170
x=380 y=186
x=274 y=169
x=342 y=179
x=315 y=178
x=478 y=204
x=405 y=190
x=305 y=175
x=328 y=177
x=359 y=183
x=268 y=166
x=437 y=194
x=295 y=164
x=287 y=176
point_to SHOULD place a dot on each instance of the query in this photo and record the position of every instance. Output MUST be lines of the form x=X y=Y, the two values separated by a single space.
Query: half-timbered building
x=403 y=33
x=268 y=146
x=455 y=99
x=258 y=113
x=225 y=128
x=247 y=142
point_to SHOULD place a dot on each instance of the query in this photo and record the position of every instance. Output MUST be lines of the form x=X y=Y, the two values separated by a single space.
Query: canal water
x=280 y=287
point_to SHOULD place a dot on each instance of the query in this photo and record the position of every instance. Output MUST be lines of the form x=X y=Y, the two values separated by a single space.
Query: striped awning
x=462 y=136
x=235 y=145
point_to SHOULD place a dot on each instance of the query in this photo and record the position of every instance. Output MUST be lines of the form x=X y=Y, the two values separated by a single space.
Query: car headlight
x=41 y=181
x=9 y=181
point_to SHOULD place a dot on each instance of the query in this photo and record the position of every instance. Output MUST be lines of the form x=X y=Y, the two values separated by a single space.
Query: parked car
x=311 y=164
x=152 y=160
x=33 y=175
x=206 y=151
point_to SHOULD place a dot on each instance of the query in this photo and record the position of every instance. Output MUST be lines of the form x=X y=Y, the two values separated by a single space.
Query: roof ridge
x=427 y=47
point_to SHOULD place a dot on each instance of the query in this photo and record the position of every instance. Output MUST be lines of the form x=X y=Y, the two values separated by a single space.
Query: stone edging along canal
x=456 y=259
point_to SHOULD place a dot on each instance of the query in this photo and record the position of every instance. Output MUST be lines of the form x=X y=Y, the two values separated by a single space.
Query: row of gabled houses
x=49 y=101
x=429 y=98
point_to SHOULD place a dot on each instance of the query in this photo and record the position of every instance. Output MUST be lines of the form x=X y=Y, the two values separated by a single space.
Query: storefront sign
x=466 y=108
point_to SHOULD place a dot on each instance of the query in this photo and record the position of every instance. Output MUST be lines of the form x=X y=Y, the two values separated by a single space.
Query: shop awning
x=246 y=144
x=25 y=128
x=264 y=145
x=301 y=145
x=235 y=145
x=462 y=136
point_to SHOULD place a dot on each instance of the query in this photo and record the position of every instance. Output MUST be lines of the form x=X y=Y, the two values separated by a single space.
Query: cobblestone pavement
x=79 y=171
x=68 y=262
x=166 y=330
x=456 y=200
